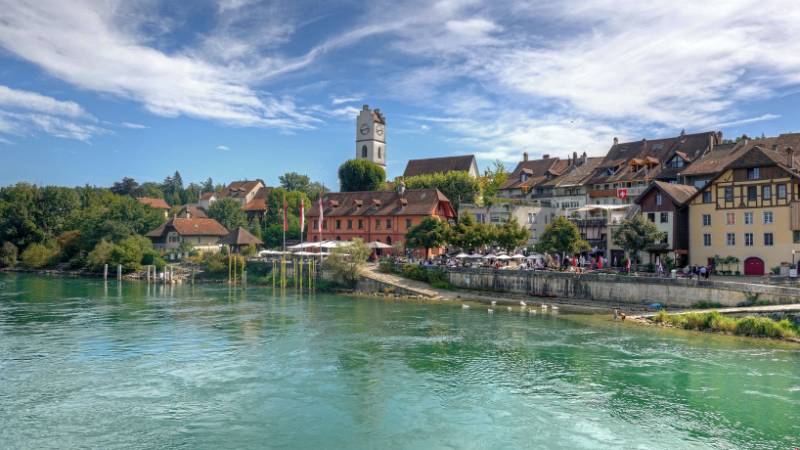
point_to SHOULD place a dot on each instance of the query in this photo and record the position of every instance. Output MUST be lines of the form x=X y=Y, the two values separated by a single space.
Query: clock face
x=364 y=129
x=379 y=130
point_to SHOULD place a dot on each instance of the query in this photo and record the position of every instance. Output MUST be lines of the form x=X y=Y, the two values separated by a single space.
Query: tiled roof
x=538 y=171
x=680 y=193
x=240 y=236
x=382 y=203
x=438 y=165
x=207 y=195
x=724 y=155
x=194 y=210
x=190 y=227
x=157 y=203
x=239 y=189
x=653 y=152
x=576 y=175
x=715 y=160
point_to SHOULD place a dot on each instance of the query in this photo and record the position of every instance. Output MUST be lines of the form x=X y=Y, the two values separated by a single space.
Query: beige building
x=529 y=214
x=202 y=234
x=749 y=210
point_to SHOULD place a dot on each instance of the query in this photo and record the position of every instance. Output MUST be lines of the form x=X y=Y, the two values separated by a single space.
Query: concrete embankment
x=630 y=290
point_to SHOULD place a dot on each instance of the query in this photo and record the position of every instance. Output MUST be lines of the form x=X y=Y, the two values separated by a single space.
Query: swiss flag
x=622 y=193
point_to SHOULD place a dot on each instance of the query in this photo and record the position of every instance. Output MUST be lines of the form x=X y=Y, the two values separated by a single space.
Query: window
x=349 y=224
x=706 y=220
x=380 y=152
x=730 y=239
x=324 y=224
x=338 y=224
x=766 y=192
x=707 y=197
x=377 y=224
x=752 y=193
x=781 y=191
x=388 y=224
x=364 y=151
x=748 y=239
x=360 y=224
x=748 y=218
x=316 y=224
x=408 y=223
x=707 y=239
x=753 y=174
x=796 y=236
x=664 y=217
x=767 y=217
x=728 y=193
x=677 y=162
x=651 y=217
x=659 y=199
x=731 y=218
x=768 y=239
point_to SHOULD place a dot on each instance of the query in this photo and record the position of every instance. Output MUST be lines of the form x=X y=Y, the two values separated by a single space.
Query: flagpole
x=284 y=222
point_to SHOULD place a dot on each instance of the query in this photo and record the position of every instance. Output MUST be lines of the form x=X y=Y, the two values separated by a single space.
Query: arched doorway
x=754 y=266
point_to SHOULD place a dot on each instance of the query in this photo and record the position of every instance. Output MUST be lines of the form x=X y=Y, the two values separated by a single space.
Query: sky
x=92 y=91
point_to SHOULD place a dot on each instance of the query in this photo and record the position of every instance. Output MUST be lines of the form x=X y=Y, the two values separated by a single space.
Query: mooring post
x=244 y=277
x=119 y=271
x=105 y=272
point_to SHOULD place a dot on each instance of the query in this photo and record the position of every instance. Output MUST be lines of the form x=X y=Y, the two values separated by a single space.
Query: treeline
x=76 y=228
x=467 y=235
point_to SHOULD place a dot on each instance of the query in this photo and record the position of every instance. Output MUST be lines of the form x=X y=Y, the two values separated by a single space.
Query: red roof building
x=202 y=234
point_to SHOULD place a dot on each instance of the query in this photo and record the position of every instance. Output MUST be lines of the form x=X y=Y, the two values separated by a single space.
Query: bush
x=37 y=256
x=745 y=326
x=387 y=266
x=99 y=256
x=8 y=255
x=437 y=278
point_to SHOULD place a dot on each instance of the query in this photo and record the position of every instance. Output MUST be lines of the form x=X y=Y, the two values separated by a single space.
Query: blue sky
x=91 y=91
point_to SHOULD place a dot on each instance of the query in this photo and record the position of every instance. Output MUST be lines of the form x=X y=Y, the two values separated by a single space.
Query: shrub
x=415 y=272
x=435 y=277
x=387 y=266
x=99 y=256
x=38 y=255
x=346 y=262
x=714 y=321
x=8 y=255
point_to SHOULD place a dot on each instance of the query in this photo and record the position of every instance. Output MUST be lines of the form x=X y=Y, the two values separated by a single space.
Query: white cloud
x=133 y=126
x=345 y=99
x=84 y=44
x=223 y=148
x=24 y=112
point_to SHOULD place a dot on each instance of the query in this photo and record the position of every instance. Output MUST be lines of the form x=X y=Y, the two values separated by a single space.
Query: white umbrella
x=378 y=244
x=491 y=256
x=304 y=245
x=518 y=256
x=503 y=257
x=271 y=252
x=462 y=255
x=334 y=244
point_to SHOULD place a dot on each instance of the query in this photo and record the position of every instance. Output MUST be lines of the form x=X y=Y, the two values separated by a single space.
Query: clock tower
x=371 y=136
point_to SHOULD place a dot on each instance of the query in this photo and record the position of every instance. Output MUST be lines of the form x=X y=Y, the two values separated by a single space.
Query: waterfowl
x=464 y=306
x=490 y=311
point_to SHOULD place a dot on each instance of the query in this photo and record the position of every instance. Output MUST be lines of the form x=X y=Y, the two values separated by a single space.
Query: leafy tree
x=149 y=189
x=8 y=255
x=228 y=212
x=428 y=234
x=100 y=255
x=360 y=175
x=458 y=186
x=511 y=235
x=347 y=262
x=562 y=237
x=38 y=255
x=493 y=179
x=293 y=181
x=636 y=234
x=469 y=235
x=208 y=185
x=129 y=252
x=128 y=186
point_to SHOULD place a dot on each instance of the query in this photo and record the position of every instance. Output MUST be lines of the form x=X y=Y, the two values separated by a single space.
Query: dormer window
x=753 y=173
x=677 y=162
x=523 y=178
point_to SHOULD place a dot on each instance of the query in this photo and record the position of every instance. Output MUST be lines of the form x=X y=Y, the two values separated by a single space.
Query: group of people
x=697 y=271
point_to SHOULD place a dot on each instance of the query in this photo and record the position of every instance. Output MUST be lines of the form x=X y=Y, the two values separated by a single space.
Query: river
x=83 y=364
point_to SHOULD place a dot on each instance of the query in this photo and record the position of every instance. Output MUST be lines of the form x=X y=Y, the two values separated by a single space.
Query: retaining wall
x=620 y=288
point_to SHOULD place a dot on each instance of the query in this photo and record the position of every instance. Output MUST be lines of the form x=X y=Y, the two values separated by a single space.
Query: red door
x=753 y=266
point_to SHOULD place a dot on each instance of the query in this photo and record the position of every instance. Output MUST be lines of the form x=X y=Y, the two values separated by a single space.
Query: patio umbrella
x=503 y=257
x=462 y=255
x=334 y=244
x=518 y=256
x=378 y=245
x=490 y=256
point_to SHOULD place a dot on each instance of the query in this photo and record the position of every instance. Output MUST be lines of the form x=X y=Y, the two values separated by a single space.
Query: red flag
x=285 y=215
x=302 y=216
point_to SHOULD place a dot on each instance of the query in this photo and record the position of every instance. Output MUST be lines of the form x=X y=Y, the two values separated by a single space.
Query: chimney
x=790 y=157
x=365 y=107
x=546 y=156
x=616 y=141
x=575 y=158
x=583 y=158
x=525 y=156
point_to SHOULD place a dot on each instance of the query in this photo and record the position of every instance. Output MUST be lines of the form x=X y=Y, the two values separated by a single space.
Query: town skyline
x=247 y=89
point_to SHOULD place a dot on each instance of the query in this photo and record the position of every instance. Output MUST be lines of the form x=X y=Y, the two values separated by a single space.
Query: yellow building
x=749 y=210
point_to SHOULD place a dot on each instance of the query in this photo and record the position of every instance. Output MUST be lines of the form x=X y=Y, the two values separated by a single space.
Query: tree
x=561 y=237
x=360 y=175
x=208 y=185
x=511 y=235
x=128 y=186
x=228 y=212
x=468 y=235
x=8 y=255
x=38 y=255
x=428 y=234
x=346 y=262
x=99 y=256
x=458 y=186
x=493 y=179
x=636 y=234
x=149 y=189
x=293 y=181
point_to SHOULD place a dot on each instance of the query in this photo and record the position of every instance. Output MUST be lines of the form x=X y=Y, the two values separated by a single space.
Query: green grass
x=706 y=305
x=744 y=326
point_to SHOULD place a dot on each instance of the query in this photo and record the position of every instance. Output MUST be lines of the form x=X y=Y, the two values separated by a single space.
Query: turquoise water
x=86 y=366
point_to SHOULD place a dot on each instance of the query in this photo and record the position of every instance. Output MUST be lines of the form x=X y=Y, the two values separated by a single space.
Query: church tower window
x=364 y=151
x=380 y=152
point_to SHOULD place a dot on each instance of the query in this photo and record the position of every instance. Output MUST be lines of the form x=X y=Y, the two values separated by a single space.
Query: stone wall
x=622 y=289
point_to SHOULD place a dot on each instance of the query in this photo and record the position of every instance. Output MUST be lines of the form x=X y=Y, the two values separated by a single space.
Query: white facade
x=371 y=136
x=533 y=216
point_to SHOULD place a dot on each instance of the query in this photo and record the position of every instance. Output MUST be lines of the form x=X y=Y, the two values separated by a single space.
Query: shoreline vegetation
x=714 y=322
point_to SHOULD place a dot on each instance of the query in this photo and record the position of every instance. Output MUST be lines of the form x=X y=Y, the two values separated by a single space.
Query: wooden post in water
x=148 y=274
x=119 y=271
x=229 y=267
x=244 y=278
x=105 y=272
